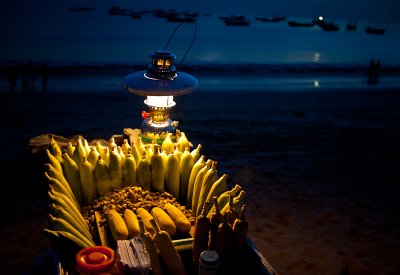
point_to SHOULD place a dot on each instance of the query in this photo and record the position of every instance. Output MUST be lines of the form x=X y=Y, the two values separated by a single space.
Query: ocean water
x=46 y=31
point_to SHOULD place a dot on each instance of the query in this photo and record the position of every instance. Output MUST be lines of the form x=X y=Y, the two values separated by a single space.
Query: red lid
x=95 y=259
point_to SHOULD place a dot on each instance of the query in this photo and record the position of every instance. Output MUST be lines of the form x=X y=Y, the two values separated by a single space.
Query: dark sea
x=263 y=54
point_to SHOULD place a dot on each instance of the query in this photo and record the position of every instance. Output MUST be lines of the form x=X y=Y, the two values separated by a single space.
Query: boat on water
x=326 y=26
x=351 y=25
x=330 y=26
x=119 y=11
x=300 y=24
x=181 y=18
x=374 y=30
x=273 y=19
x=235 y=20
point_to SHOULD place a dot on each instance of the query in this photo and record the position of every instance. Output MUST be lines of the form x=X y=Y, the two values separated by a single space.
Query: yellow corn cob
x=115 y=168
x=183 y=142
x=186 y=165
x=209 y=178
x=223 y=199
x=143 y=172
x=111 y=143
x=197 y=186
x=117 y=226
x=135 y=152
x=93 y=156
x=126 y=148
x=151 y=249
x=216 y=189
x=86 y=146
x=157 y=170
x=140 y=145
x=70 y=149
x=177 y=152
x=61 y=225
x=167 y=251
x=238 y=202
x=102 y=177
x=67 y=236
x=181 y=221
x=201 y=162
x=61 y=213
x=100 y=148
x=167 y=144
x=122 y=155
x=55 y=149
x=146 y=217
x=71 y=172
x=164 y=220
x=132 y=223
x=129 y=171
x=89 y=189
x=79 y=153
x=63 y=201
x=172 y=176
x=196 y=153
x=60 y=187
x=53 y=161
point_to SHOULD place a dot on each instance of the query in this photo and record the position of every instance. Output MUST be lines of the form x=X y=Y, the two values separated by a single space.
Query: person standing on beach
x=377 y=70
x=45 y=75
x=371 y=69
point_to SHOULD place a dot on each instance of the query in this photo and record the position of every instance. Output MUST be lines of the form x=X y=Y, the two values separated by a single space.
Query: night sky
x=380 y=10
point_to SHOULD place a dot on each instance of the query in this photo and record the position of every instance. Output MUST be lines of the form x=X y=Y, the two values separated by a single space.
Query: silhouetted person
x=25 y=82
x=377 y=70
x=371 y=69
x=30 y=70
x=45 y=75
x=12 y=78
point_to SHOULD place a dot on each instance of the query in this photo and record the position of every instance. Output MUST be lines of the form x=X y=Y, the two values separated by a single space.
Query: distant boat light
x=321 y=18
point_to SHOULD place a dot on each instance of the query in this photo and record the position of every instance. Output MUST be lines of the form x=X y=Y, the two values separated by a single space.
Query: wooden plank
x=101 y=230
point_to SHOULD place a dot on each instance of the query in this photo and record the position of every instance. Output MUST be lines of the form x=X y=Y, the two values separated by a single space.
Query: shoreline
x=221 y=83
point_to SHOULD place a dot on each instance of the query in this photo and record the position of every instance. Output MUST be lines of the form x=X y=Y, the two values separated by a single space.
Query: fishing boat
x=235 y=20
x=273 y=19
x=119 y=11
x=351 y=25
x=329 y=26
x=374 y=30
x=300 y=24
x=181 y=18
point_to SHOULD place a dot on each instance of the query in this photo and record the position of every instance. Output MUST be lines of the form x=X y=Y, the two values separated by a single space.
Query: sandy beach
x=320 y=167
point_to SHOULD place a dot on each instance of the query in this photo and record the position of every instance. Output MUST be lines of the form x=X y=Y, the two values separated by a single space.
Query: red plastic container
x=97 y=260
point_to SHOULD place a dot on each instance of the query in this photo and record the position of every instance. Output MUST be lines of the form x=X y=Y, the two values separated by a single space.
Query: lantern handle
x=191 y=43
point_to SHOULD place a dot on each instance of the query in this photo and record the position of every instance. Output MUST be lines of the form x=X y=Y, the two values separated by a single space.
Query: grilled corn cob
x=180 y=220
x=201 y=236
x=132 y=223
x=163 y=220
x=117 y=226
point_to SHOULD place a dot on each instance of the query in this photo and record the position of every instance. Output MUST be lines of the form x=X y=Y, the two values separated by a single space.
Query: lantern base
x=157 y=131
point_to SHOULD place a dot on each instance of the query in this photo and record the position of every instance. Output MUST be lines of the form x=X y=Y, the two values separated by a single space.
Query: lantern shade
x=141 y=84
